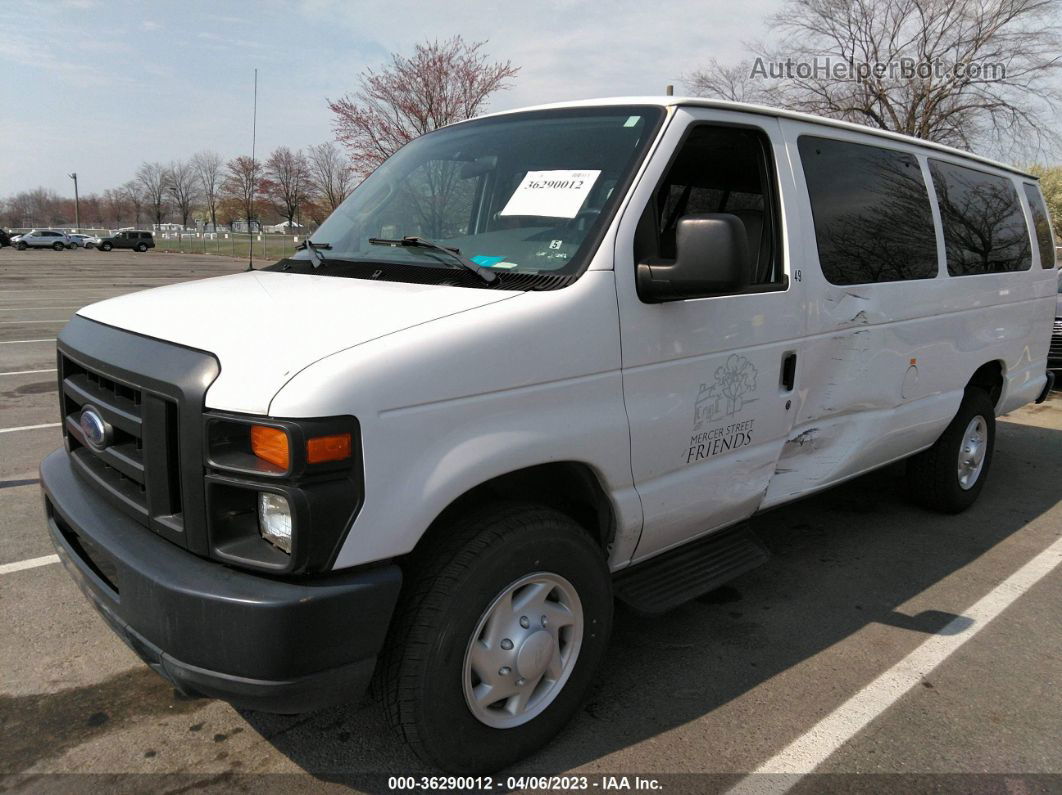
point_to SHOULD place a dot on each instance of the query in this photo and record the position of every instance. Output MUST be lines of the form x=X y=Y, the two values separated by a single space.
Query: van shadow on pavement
x=841 y=561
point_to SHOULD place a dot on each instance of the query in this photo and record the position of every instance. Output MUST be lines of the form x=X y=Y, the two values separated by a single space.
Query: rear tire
x=141 y=247
x=517 y=593
x=58 y=246
x=949 y=476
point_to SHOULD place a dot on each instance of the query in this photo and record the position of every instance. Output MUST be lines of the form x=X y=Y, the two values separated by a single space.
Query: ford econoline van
x=536 y=362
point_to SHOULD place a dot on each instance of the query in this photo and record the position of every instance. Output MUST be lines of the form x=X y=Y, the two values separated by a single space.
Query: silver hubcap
x=523 y=650
x=972 y=452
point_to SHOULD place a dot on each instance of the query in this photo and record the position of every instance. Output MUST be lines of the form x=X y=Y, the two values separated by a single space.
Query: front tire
x=105 y=246
x=21 y=246
x=949 y=476
x=497 y=638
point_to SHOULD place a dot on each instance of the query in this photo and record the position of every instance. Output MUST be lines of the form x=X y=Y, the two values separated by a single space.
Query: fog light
x=274 y=520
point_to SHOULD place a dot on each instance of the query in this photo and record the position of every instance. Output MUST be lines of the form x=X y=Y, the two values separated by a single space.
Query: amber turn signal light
x=271 y=444
x=321 y=449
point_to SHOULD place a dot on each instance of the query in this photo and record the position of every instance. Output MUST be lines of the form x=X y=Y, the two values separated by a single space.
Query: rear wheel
x=498 y=637
x=141 y=247
x=949 y=476
x=58 y=246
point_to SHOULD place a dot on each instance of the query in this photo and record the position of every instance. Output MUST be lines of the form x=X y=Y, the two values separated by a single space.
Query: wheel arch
x=570 y=487
x=990 y=378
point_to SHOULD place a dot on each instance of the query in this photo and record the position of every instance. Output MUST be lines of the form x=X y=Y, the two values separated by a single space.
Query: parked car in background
x=1054 y=354
x=138 y=241
x=41 y=238
x=77 y=239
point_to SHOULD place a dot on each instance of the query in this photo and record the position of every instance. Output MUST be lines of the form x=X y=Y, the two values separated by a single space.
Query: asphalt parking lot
x=876 y=648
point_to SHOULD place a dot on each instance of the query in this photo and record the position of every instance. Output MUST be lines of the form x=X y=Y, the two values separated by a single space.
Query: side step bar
x=668 y=580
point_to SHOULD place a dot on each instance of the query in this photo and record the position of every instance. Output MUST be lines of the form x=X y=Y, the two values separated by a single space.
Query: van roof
x=669 y=102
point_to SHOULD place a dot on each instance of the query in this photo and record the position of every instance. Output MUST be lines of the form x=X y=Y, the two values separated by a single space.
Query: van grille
x=138 y=463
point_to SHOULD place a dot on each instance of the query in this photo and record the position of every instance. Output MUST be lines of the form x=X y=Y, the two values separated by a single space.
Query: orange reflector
x=328 y=448
x=270 y=444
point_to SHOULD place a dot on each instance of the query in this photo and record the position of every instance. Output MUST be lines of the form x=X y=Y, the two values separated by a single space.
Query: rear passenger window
x=1041 y=225
x=984 y=226
x=871 y=209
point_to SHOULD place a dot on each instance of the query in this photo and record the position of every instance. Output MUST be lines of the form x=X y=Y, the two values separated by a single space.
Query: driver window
x=718 y=169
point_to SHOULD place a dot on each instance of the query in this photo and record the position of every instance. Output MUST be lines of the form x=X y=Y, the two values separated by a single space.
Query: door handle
x=789 y=362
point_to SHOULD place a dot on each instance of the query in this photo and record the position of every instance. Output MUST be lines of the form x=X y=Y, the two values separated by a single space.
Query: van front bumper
x=258 y=642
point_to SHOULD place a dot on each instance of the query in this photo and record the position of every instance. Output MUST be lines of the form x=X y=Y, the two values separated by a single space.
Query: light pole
x=77 y=205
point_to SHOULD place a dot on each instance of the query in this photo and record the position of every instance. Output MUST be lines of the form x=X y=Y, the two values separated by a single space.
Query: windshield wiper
x=488 y=276
x=314 y=250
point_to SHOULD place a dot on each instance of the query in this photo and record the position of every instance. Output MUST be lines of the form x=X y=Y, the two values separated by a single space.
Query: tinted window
x=984 y=226
x=871 y=208
x=717 y=170
x=1042 y=226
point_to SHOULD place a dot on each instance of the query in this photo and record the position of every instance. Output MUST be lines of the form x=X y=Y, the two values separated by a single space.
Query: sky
x=99 y=86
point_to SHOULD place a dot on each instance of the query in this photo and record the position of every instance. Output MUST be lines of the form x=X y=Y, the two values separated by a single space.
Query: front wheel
x=105 y=246
x=21 y=246
x=498 y=637
x=949 y=476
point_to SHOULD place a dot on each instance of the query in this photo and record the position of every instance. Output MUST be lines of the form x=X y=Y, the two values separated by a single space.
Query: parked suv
x=138 y=241
x=41 y=238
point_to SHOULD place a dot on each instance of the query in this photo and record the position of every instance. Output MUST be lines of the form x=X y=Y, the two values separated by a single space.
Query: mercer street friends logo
x=728 y=395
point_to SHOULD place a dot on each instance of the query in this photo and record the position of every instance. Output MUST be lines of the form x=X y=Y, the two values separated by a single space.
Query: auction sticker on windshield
x=551 y=194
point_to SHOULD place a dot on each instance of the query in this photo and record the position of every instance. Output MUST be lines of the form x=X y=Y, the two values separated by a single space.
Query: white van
x=537 y=361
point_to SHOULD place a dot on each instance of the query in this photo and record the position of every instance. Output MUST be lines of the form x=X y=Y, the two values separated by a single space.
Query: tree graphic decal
x=734 y=379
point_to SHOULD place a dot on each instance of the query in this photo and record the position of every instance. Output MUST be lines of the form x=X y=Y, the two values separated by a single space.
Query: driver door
x=709 y=382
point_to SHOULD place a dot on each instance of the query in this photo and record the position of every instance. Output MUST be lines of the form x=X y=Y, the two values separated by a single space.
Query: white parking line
x=32 y=563
x=783 y=771
x=20 y=322
x=20 y=342
x=31 y=427
x=28 y=372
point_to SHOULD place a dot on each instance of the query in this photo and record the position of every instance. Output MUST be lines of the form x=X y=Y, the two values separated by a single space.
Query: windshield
x=527 y=193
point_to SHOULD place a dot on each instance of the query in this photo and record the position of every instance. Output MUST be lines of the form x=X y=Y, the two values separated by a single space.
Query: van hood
x=264 y=327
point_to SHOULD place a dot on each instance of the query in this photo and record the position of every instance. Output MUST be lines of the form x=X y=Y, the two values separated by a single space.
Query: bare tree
x=287 y=182
x=134 y=196
x=240 y=184
x=152 y=180
x=208 y=165
x=182 y=183
x=441 y=83
x=117 y=203
x=735 y=83
x=330 y=174
x=962 y=72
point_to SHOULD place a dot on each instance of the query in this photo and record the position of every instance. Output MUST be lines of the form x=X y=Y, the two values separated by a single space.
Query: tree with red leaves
x=441 y=83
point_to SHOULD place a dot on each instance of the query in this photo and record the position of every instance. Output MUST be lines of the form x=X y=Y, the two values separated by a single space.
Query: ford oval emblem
x=94 y=428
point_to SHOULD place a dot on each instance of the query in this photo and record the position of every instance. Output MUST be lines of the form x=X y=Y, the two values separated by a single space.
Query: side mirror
x=712 y=257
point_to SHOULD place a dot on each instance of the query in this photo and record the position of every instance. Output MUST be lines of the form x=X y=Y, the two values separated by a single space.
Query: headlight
x=274 y=520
